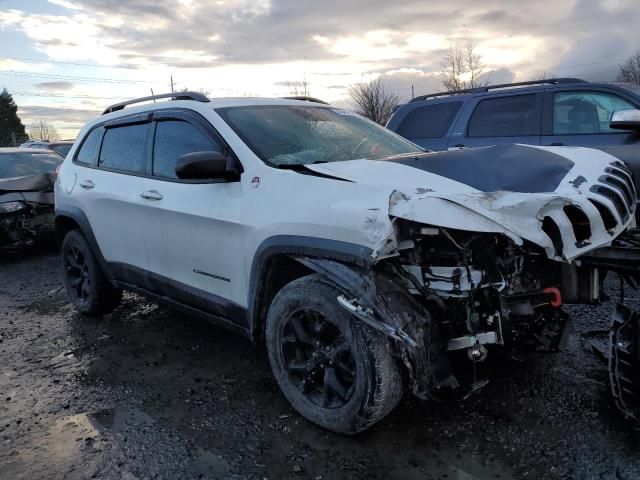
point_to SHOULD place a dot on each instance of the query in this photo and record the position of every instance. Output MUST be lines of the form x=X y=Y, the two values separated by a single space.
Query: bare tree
x=542 y=75
x=630 y=70
x=462 y=67
x=203 y=91
x=374 y=100
x=41 y=130
x=298 y=89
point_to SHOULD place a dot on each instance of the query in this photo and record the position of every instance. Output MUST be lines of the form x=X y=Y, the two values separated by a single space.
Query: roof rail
x=197 y=96
x=551 y=81
x=305 y=98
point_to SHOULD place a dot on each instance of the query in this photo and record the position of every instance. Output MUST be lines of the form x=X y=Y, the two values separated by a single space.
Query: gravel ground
x=150 y=393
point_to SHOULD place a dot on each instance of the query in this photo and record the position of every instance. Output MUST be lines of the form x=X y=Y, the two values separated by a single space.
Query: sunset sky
x=65 y=60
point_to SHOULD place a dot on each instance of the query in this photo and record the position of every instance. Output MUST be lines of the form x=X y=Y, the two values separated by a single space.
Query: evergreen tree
x=9 y=121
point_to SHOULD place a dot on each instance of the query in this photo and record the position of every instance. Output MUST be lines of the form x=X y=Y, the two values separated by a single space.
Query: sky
x=66 y=60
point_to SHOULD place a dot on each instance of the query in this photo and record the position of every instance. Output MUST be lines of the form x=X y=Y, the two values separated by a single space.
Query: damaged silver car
x=362 y=262
x=27 y=178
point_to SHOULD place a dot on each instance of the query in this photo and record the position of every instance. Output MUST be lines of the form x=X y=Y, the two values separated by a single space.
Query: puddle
x=120 y=418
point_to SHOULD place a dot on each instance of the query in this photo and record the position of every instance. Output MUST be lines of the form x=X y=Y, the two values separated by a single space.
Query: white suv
x=361 y=261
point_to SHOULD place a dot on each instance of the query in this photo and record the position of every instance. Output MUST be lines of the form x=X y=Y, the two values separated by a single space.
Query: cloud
x=55 y=85
x=239 y=46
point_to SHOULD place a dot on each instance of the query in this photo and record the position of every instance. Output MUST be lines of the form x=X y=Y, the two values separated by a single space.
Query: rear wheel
x=85 y=282
x=334 y=370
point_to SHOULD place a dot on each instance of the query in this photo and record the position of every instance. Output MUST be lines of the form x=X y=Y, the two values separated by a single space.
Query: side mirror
x=203 y=166
x=628 y=119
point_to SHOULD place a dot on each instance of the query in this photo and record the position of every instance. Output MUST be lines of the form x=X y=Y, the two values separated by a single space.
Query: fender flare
x=297 y=245
x=78 y=217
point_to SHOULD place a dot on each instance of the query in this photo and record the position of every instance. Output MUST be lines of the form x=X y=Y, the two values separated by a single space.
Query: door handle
x=151 y=195
x=557 y=144
x=457 y=147
x=87 y=184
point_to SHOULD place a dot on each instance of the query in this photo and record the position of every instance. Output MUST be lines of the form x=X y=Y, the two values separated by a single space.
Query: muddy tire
x=85 y=282
x=335 y=370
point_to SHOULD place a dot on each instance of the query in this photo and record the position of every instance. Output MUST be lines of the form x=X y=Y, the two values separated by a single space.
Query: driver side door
x=193 y=229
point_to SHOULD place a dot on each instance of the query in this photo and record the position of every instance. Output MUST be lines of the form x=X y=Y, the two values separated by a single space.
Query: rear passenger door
x=111 y=159
x=193 y=229
x=497 y=120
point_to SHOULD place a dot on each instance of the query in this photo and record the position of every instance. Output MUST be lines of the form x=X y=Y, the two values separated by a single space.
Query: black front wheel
x=87 y=287
x=334 y=370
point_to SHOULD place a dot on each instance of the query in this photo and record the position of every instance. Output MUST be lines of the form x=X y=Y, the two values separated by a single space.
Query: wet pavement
x=148 y=392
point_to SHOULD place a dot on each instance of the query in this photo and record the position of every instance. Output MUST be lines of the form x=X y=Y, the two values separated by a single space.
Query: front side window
x=124 y=148
x=429 y=121
x=175 y=138
x=505 y=117
x=577 y=113
x=298 y=135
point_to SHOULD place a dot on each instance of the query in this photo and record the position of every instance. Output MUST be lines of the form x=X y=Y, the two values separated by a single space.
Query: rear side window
x=505 y=117
x=89 y=149
x=430 y=121
x=175 y=138
x=123 y=148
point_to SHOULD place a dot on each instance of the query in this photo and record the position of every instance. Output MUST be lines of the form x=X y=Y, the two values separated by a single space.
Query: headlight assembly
x=12 y=207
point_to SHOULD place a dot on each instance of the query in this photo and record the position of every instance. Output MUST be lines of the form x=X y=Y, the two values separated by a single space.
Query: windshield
x=18 y=164
x=299 y=135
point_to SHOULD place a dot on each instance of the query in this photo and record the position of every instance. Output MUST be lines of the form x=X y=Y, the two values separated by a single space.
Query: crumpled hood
x=583 y=197
x=32 y=188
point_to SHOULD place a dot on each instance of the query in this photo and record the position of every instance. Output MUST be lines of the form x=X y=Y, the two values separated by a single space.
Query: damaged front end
x=26 y=211
x=450 y=290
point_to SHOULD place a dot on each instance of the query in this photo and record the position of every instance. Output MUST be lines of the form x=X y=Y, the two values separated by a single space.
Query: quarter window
x=124 y=148
x=175 y=138
x=505 y=117
x=575 y=113
x=89 y=149
x=429 y=121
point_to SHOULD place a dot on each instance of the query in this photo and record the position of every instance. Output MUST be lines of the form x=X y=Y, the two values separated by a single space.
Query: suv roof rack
x=197 y=96
x=552 y=81
x=304 y=98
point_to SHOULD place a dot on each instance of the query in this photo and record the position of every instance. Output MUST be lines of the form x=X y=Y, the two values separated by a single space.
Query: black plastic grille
x=615 y=198
x=608 y=218
x=619 y=185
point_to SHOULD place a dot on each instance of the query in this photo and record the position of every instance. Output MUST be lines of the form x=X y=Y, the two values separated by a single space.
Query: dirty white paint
x=218 y=228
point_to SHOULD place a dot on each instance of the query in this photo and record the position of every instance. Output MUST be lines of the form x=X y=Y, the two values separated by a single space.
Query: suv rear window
x=505 y=117
x=429 y=121
x=124 y=148
x=89 y=148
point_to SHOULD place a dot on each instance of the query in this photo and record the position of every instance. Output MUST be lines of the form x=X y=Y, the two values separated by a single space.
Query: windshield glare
x=299 y=135
x=20 y=164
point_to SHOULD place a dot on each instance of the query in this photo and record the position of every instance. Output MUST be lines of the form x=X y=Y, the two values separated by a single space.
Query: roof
x=487 y=88
x=36 y=151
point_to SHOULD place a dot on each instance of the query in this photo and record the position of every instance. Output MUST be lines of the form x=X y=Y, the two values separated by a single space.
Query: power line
x=33 y=60
x=17 y=73
x=62 y=95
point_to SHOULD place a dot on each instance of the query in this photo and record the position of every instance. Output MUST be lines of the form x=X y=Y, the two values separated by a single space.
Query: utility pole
x=172 y=84
x=412 y=95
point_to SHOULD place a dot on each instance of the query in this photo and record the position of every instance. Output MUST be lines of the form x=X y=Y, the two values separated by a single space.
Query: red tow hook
x=556 y=301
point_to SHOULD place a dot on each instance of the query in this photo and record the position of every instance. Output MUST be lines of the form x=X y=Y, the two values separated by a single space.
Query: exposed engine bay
x=456 y=291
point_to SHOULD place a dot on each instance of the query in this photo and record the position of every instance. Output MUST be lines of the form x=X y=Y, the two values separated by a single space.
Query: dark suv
x=562 y=111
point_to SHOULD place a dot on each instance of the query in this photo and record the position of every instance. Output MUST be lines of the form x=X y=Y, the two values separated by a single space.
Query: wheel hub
x=318 y=359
